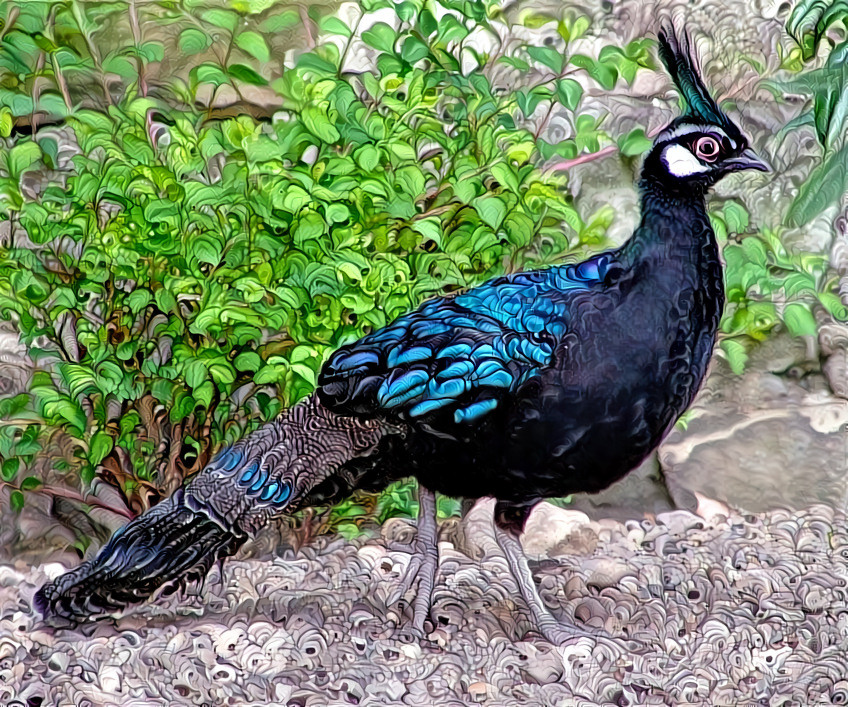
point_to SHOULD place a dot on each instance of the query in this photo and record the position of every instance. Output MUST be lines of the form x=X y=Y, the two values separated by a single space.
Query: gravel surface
x=741 y=609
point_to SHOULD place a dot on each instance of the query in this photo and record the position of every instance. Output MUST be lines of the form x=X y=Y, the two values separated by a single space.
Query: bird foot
x=420 y=576
x=410 y=577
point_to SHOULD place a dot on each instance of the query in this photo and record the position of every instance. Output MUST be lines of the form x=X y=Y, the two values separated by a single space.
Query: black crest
x=676 y=54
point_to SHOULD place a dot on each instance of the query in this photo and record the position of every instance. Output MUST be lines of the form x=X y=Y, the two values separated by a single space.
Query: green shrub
x=189 y=279
x=827 y=83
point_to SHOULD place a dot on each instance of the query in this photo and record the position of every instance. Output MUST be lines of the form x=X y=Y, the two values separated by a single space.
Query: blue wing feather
x=459 y=354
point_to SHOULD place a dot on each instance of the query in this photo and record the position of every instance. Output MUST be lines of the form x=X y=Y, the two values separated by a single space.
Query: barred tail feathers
x=266 y=474
x=158 y=547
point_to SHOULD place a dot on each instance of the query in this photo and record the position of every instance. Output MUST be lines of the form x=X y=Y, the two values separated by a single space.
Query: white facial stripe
x=682 y=163
x=689 y=129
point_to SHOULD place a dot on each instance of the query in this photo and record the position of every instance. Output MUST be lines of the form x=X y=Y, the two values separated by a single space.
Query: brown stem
x=136 y=32
x=74 y=496
x=582 y=159
x=36 y=92
x=435 y=212
x=349 y=42
x=545 y=120
x=10 y=21
x=310 y=39
x=57 y=70
x=92 y=49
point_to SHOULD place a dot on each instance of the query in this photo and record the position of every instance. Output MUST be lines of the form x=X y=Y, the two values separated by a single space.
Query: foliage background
x=201 y=200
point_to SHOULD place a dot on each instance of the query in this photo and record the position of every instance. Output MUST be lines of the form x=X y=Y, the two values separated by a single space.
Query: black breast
x=632 y=362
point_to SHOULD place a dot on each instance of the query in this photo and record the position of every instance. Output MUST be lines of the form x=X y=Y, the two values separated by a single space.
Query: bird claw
x=410 y=579
x=420 y=575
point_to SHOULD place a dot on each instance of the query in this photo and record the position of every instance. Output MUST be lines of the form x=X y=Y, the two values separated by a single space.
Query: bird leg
x=421 y=571
x=509 y=524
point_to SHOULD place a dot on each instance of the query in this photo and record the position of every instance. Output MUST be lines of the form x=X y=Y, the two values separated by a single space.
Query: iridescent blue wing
x=461 y=354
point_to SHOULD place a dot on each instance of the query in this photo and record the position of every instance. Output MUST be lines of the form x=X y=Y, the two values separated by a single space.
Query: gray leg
x=421 y=572
x=509 y=524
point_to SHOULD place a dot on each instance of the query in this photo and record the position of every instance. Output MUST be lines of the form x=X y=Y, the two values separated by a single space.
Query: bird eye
x=706 y=148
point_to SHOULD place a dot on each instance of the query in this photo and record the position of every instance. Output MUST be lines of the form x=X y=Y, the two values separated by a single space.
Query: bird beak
x=747 y=159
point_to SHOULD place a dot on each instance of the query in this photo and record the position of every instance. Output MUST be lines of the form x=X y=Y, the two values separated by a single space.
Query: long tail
x=158 y=547
x=309 y=452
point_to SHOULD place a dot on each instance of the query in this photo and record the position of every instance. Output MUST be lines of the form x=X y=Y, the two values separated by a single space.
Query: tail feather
x=158 y=547
x=268 y=473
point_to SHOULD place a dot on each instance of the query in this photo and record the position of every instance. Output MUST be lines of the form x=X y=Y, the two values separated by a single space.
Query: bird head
x=702 y=145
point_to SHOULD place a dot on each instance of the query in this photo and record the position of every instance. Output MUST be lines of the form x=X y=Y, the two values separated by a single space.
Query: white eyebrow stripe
x=689 y=129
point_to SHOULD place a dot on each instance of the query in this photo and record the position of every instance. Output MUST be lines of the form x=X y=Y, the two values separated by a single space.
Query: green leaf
x=528 y=100
x=138 y=300
x=414 y=50
x=204 y=394
x=572 y=27
x=534 y=20
x=491 y=209
x=166 y=302
x=248 y=361
x=196 y=373
x=569 y=93
x=823 y=188
x=367 y=157
x=634 y=143
x=277 y=23
x=319 y=124
x=183 y=405
x=402 y=150
x=208 y=73
x=548 y=57
x=7 y=122
x=222 y=374
x=809 y=21
x=225 y=19
x=505 y=174
x=309 y=227
x=152 y=51
x=333 y=25
x=381 y=37
x=604 y=74
x=254 y=44
x=833 y=304
x=736 y=217
x=451 y=29
x=268 y=374
x=101 y=445
x=50 y=148
x=337 y=213
x=23 y=156
x=736 y=355
x=16 y=501
x=9 y=468
x=799 y=320
x=245 y=74
x=312 y=62
x=406 y=10
x=30 y=483
x=193 y=41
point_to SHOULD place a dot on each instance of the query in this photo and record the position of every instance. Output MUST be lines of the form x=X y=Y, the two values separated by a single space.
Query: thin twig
x=136 y=32
x=582 y=159
x=310 y=39
x=74 y=496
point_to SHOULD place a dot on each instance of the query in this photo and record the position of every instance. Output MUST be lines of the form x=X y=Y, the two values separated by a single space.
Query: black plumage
x=534 y=385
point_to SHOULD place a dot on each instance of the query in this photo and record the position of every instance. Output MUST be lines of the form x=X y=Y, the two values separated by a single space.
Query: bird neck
x=674 y=225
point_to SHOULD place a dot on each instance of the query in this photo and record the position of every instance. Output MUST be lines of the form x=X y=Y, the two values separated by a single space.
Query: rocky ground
x=729 y=611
